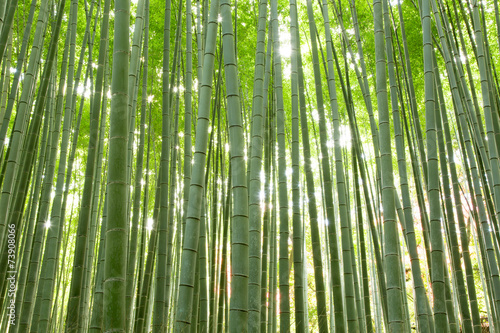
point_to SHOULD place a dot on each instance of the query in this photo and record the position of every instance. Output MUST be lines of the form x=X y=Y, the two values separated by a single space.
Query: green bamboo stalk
x=282 y=179
x=268 y=152
x=215 y=238
x=133 y=80
x=202 y=259
x=190 y=242
x=95 y=203
x=96 y=322
x=255 y=167
x=145 y=210
x=437 y=251
x=15 y=81
x=131 y=282
x=238 y=319
x=159 y=299
x=225 y=200
x=363 y=82
x=116 y=229
x=173 y=183
x=80 y=264
x=392 y=256
x=362 y=247
x=46 y=296
x=366 y=191
x=298 y=236
x=422 y=302
x=188 y=110
x=6 y=25
x=495 y=167
x=271 y=311
x=6 y=73
x=144 y=298
x=451 y=224
x=312 y=206
x=62 y=301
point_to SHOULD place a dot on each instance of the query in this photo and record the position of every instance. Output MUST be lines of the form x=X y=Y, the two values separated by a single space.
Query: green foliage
x=285 y=124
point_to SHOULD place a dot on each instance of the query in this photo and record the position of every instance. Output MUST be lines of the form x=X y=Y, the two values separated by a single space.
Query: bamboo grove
x=260 y=166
